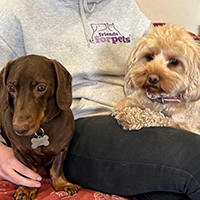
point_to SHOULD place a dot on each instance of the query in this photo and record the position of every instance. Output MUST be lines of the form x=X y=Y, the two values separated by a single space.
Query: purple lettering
x=97 y=39
x=102 y=39
x=127 y=40
x=114 y=40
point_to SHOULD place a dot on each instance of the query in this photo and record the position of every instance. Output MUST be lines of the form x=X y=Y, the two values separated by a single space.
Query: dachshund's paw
x=25 y=193
x=70 y=189
x=67 y=187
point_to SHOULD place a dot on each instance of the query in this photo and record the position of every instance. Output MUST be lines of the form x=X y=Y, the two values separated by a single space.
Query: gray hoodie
x=91 y=38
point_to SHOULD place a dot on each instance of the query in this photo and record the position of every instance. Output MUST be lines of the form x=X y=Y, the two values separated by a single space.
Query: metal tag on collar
x=162 y=100
x=40 y=140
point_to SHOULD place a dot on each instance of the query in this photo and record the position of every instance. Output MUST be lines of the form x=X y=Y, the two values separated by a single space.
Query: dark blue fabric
x=102 y=156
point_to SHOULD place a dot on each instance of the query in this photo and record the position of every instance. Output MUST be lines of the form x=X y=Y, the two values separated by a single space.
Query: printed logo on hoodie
x=105 y=32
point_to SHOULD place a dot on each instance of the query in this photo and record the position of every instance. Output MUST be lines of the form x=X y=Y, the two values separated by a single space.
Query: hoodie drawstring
x=84 y=8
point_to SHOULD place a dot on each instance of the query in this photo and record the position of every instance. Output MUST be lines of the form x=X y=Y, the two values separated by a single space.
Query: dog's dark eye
x=41 y=88
x=173 y=62
x=11 y=88
x=149 y=57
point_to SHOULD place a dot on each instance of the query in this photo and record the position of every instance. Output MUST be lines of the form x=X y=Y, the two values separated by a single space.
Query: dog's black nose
x=21 y=130
x=153 y=79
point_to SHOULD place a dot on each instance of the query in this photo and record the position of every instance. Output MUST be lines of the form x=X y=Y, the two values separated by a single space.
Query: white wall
x=183 y=12
x=3 y=3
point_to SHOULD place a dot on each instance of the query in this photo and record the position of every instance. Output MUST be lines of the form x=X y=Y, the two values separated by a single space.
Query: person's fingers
x=122 y=102
x=18 y=179
x=22 y=169
x=14 y=171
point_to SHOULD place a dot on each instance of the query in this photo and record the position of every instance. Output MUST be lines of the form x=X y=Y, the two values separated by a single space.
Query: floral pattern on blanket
x=46 y=192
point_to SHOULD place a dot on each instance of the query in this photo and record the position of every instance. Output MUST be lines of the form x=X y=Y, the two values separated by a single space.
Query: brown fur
x=36 y=92
x=165 y=63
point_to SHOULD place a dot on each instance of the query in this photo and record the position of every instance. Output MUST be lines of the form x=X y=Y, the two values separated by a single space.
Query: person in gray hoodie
x=93 y=39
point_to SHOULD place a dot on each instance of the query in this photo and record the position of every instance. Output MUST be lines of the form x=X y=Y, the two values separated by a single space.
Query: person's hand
x=11 y=168
x=122 y=102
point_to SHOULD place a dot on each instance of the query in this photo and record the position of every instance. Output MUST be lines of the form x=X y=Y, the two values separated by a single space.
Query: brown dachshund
x=35 y=100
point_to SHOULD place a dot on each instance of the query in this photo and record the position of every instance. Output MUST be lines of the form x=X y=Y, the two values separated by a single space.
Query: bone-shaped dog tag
x=40 y=140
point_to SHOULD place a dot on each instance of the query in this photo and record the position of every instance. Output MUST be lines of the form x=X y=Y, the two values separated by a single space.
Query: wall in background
x=182 y=12
x=3 y=3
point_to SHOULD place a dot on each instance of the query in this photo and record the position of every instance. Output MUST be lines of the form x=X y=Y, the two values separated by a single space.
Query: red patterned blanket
x=46 y=192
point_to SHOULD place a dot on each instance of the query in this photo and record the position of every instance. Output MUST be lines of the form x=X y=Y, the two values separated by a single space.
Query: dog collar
x=162 y=98
x=41 y=139
x=49 y=120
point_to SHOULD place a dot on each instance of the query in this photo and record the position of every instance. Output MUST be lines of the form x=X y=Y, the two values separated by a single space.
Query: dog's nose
x=21 y=130
x=153 y=78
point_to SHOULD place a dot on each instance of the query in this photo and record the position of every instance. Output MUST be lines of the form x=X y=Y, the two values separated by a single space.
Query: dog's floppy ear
x=132 y=60
x=64 y=86
x=4 y=96
x=192 y=93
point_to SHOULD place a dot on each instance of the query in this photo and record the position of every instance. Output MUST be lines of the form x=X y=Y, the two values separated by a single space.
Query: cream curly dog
x=162 y=81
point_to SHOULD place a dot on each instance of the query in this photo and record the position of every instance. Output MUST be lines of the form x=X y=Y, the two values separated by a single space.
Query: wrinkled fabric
x=92 y=39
